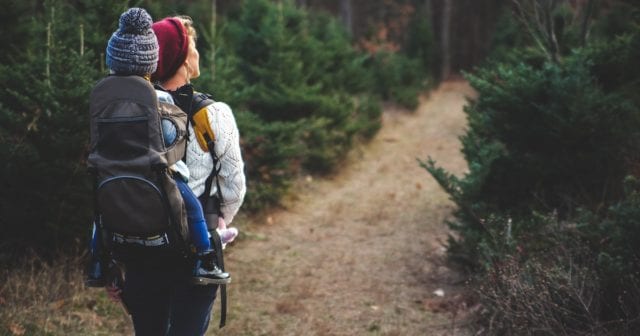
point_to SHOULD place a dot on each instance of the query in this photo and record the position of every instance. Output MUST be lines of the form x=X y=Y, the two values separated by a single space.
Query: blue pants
x=195 y=217
x=162 y=302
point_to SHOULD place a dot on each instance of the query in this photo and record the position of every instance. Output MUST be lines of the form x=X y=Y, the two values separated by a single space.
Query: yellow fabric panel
x=202 y=127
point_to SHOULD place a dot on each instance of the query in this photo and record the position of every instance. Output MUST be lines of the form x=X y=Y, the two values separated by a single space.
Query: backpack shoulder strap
x=199 y=118
x=206 y=139
x=199 y=101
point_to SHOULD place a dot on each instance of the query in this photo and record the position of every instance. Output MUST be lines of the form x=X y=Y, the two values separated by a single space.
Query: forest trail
x=359 y=253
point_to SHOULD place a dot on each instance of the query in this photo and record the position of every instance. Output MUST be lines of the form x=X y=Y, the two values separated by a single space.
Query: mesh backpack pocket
x=123 y=138
x=133 y=206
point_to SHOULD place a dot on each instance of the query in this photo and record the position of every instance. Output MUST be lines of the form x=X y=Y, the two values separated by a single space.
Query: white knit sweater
x=227 y=148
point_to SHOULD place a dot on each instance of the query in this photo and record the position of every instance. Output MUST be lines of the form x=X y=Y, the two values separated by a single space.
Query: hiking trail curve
x=361 y=252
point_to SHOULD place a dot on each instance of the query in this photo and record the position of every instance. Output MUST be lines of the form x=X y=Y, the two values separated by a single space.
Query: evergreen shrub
x=398 y=78
x=547 y=213
x=299 y=70
x=44 y=132
x=272 y=154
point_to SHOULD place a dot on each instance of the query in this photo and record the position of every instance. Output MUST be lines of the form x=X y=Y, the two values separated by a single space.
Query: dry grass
x=49 y=298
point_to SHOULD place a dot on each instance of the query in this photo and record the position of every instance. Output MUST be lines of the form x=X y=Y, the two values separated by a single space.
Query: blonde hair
x=187 y=22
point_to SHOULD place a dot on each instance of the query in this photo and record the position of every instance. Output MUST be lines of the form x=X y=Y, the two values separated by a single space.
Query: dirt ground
x=360 y=253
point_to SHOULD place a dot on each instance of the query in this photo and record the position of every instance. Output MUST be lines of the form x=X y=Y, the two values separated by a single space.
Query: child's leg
x=205 y=272
x=195 y=217
x=96 y=267
x=95 y=246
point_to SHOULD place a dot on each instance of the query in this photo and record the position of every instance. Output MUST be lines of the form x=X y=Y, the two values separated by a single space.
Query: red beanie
x=174 y=45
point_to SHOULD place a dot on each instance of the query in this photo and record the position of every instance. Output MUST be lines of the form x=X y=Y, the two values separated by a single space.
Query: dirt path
x=357 y=254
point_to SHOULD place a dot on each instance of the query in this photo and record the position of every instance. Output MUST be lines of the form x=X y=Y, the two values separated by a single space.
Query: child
x=134 y=28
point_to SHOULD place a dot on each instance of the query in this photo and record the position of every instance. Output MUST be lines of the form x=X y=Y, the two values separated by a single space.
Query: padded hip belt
x=158 y=240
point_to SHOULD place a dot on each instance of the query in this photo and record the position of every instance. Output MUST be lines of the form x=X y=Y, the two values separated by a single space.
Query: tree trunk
x=446 y=39
x=427 y=5
x=212 y=55
x=346 y=14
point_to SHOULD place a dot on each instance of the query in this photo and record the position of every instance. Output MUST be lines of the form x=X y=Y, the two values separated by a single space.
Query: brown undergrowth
x=43 y=298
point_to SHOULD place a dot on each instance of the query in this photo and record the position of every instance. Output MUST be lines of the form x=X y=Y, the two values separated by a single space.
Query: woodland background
x=548 y=217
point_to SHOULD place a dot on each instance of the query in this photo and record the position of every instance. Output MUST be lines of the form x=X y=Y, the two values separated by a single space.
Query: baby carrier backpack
x=138 y=207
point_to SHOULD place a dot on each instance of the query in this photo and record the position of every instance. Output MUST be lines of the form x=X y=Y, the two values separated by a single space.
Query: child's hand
x=227 y=234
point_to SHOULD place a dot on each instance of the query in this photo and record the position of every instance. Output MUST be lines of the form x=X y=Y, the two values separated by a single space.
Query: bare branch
x=523 y=17
x=550 y=30
x=584 y=29
x=536 y=15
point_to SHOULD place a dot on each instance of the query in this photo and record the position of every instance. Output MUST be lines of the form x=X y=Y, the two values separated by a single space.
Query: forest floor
x=357 y=253
x=361 y=252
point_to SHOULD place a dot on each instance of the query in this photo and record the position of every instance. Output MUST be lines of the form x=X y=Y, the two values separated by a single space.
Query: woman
x=162 y=300
x=179 y=63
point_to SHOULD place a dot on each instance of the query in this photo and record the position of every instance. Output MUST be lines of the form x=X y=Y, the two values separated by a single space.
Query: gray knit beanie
x=133 y=48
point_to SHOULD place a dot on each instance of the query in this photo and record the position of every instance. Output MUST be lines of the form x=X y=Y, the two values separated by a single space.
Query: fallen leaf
x=436 y=305
x=57 y=304
x=16 y=329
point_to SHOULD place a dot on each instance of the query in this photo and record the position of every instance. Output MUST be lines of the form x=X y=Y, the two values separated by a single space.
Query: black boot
x=207 y=272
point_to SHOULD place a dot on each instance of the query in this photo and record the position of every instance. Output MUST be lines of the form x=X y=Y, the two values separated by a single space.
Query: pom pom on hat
x=133 y=48
x=135 y=21
x=174 y=46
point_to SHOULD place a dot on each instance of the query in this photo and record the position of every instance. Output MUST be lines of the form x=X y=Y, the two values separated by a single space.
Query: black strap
x=208 y=183
x=217 y=246
x=200 y=100
x=215 y=237
x=182 y=97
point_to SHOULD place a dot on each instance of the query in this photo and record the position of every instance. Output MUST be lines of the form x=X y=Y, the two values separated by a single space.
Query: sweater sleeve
x=227 y=147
